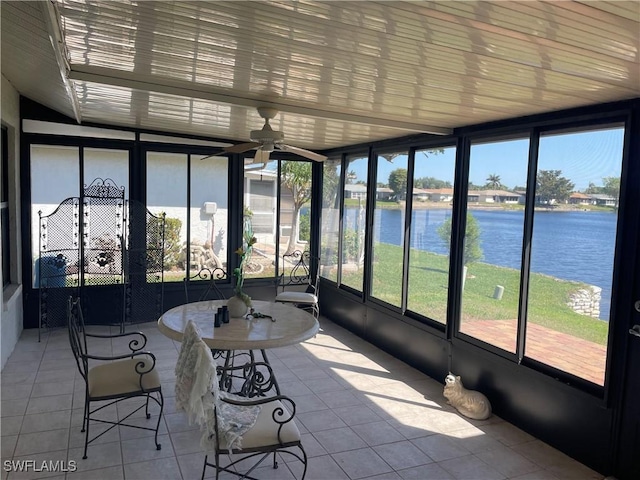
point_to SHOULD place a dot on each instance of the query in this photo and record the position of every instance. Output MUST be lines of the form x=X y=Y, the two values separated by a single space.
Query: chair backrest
x=196 y=372
x=77 y=338
x=211 y=276
x=297 y=269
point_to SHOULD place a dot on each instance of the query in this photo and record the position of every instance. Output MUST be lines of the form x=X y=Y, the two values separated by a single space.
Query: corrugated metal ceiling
x=340 y=72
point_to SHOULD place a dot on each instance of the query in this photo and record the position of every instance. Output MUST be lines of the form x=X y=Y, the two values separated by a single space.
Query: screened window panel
x=388 y=227
x=55 y=176
x=295 y=209
x=260 y=211
x=102 y=163
x=330 y=234
x=572 y=253
x=4 y=210
x=209 y=213
x=493 y=241
x=167 y=193
x=429 y=248
x=354 y=222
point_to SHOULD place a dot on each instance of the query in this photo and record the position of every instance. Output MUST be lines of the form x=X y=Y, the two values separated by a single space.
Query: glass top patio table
x=292 y=325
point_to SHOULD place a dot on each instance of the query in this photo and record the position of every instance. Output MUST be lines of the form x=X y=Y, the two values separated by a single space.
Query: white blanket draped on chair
x=198 y=394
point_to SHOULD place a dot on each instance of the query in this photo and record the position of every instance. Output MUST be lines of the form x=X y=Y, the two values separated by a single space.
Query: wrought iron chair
x=211 y=275
x=249 y=425
x=297 y=272
x=116 y=378
x=274 y=432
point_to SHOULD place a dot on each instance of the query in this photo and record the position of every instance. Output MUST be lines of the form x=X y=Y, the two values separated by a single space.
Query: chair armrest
x=134 y=345
x=139 y=365
x=280 y=415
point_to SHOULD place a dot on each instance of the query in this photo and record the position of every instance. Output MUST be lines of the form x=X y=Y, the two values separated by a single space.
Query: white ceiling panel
x=340 y=73
x=178 y=114
x=28 y=59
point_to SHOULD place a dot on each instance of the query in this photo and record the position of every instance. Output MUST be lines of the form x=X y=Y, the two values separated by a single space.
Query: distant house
x=439 y=194
x=522 y=194
x=493 y=196
x=383 y=193
x=578 y=198
x=603 y=200
x=260 y=193
x=357 y=191
x=421 y=194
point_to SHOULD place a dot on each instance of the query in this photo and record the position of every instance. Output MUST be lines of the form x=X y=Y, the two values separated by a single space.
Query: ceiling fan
x=267 y=140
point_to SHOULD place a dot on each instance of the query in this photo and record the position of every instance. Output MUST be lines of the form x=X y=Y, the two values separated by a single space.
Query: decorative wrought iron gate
x=105 y=249
x=57 y=271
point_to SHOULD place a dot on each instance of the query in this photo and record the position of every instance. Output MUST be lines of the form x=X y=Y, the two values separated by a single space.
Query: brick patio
x=560 y=350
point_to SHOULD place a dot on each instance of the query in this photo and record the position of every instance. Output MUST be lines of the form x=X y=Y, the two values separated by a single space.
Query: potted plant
x=239 y=304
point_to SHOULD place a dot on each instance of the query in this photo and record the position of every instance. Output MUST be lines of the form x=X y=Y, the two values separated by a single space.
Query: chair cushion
x=265 y=431
x=120 y=378
x=297 y=297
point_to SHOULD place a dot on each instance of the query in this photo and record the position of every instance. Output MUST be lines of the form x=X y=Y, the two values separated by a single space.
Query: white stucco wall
x=11 y=313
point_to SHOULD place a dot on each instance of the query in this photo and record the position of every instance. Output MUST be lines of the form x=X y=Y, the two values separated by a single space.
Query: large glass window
x=295 y=206
x=295 y=210
x=167 y=193
x=330 y=219
x=202 y=222
x=55 y=176
x=354 y=221
x=493 y=241
x=260 y=210
x=103 y=233
x=574 y=229
x=288 y=229
x=4 y=210
x=434 y=171
x=101 y=163
x=55 y=173
x=208 y=213
x=388 y=227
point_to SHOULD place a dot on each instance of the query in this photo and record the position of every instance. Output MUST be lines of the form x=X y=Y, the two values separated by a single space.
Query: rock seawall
x=586 y=301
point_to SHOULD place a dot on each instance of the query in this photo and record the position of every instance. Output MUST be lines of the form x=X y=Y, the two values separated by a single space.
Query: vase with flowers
x=239 y=304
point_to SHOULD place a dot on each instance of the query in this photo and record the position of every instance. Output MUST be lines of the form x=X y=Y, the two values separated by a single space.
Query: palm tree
x=493 y=182
x=296 y=177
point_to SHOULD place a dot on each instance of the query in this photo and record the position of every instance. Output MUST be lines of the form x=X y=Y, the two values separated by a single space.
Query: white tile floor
x=363 y=413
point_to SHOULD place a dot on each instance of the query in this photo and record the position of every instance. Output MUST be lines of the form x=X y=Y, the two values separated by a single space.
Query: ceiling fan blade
x=302 y=152
x=241 y=147
x=212 y=155
x=261 y=156
x=254 y=166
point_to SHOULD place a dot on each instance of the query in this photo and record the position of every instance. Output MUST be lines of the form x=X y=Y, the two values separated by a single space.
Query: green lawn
x=428 y=279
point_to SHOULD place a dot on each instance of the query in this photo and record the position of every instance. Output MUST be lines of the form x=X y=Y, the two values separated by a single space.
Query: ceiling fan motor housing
x=267 y=134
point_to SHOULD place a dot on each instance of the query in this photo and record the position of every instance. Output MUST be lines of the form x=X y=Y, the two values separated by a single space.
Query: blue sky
x=582 y=157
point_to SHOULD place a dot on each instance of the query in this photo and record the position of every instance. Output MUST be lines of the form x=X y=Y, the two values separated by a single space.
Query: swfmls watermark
x=57 y=466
